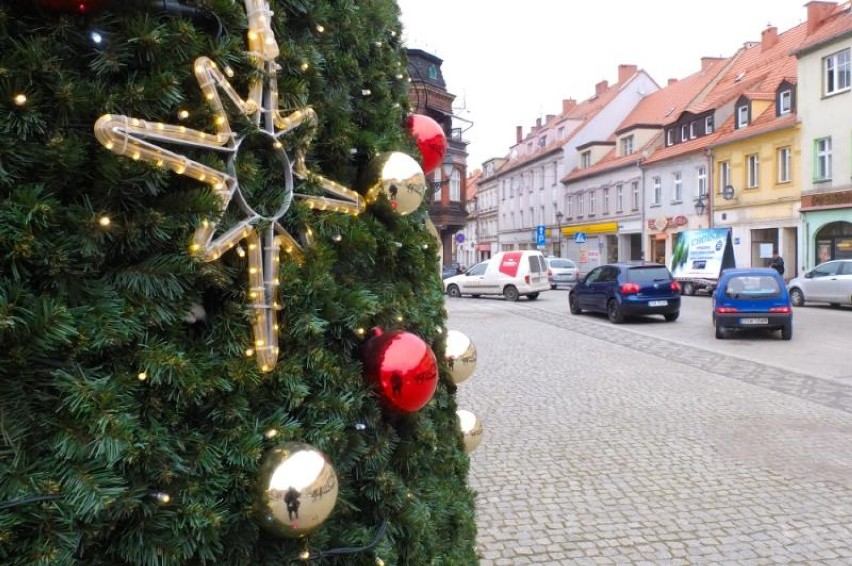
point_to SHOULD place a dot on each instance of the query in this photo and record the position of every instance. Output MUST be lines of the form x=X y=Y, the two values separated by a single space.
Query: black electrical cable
x=317 y=554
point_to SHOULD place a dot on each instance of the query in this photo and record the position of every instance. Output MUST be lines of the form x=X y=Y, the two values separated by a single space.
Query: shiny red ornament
x=402 y=368
x=430 y=139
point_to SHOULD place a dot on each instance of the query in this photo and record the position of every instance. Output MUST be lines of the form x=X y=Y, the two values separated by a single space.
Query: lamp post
x=558 y=234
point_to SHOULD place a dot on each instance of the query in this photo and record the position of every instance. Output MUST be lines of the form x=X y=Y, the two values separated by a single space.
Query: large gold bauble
x=298 y=489
x=460 y=353
x=399 y=177
x=471 y=429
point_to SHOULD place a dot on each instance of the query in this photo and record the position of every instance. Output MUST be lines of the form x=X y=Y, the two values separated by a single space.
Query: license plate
x=657 y=303
x=754 y=321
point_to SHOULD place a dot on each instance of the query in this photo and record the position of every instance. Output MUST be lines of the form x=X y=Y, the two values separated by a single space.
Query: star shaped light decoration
x=264 y=235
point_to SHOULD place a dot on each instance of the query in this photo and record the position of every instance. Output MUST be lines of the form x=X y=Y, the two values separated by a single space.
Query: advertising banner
x=700 y=253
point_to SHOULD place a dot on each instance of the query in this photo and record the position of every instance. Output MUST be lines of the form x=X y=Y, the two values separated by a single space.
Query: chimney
x=706 y=62
x=625 y=72
x=519 y=134
x=671 y=82
x=768 y=38
x=568 y=105
x=538 y=123
x=817 y=12
x=549 y=117
x=601 y=87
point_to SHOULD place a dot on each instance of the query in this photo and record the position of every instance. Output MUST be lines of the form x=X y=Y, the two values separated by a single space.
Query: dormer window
x=785 y=102
x=708 y=125
x=627 y=145
x=684 y=132
x=742 y=116
x=693 y=130
x=670 y=136
x=586 y=159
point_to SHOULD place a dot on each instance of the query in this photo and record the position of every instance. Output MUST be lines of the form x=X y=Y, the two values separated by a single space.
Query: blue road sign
x=580 y=238
x=540 y=235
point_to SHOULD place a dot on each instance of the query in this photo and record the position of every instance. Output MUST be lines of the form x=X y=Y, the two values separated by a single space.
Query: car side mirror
x=808 y=275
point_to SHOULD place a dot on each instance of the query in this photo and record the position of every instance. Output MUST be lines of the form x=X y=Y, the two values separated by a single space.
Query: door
x=821 y=285
x=583 y=292
x=473 y=281
x=603 y=287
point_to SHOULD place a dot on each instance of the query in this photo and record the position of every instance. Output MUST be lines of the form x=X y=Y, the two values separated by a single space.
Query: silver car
x=562 y=272
x=829 y=282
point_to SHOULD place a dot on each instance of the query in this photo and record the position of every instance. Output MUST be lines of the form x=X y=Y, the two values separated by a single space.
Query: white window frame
x=677 y=192
x=627 y=145
x=724 y=175
x=752 y=171
x=605 y=201
x=619 y=198
x=742 y=116
x=657 y=198
x=569 y=207
x=684 y=133
x=836 y=72
x=786 y=101
x=580 y=205
x=822 y=159
x=436 y=176
x=670 y=136
x=785 y=162
x=455 y=186
x=592 y=202
x=708 y=125
x=701 y=181
x=693 y=130
x=586 y=159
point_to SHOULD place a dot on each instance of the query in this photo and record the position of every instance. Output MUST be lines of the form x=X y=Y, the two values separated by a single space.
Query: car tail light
x=784 y=310
x=550 y=274
x=527 y=279
x=629 y=288
x=675 y=286
x=723 y=310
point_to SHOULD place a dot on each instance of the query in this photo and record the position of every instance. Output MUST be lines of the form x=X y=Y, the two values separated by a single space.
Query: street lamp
x=448 y=166
x=700 y=205
x=558 y=233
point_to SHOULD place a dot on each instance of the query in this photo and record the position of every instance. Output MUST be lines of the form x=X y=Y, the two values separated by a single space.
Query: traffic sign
x=540 y=235
x=580 y=238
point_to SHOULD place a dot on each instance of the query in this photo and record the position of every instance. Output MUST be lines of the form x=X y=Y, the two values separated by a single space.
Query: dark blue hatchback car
x=625 y=289
x=752 y=298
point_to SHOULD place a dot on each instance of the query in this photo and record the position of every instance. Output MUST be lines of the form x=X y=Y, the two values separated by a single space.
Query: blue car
x=752 y=298
x=626 y=289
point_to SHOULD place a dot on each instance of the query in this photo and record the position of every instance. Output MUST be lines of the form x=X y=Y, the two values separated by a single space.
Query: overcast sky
x=511 y=62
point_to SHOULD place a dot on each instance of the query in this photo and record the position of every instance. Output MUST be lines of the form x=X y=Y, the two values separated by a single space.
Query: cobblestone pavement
x=602 y=446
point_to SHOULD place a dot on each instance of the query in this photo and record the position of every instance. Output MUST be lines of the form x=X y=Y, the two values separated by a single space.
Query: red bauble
x=430 y=139
x=402 y=368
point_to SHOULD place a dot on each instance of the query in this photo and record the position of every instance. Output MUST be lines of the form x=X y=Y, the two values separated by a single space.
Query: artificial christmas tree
x=197 y=231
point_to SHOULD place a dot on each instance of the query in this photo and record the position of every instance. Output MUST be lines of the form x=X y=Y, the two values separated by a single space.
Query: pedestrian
x=777 y=263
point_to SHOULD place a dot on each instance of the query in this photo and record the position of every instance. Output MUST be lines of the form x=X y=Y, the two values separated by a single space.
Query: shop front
x=590 y=245
x=826 y=227
x=660 y=231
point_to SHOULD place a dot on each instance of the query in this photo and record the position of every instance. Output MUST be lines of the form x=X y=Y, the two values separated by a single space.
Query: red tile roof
x=835 y=26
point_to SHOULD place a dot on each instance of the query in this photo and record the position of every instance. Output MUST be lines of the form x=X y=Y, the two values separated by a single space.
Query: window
x=724 y=175
x=753 y=164
x=605 y=200
x=785 y=100
x=455 y=186
x=540 y=174
x=658 y=193
x=521 y=216
x=436 y=176
x=693 y=130
x=783 y=164
x=701 y=175
x=670 y=136
x=569 y=207
x=822 y=169
x=619 y=198
x=627 y=145
x=635 y=194
x=742 y=116
x=708 y=125
x=592 y=197
x=678 y=188
x=684 y=132
x=586 y=159
x=579 y=205
x=555 y=173
x=561 y=133
x=836 y=72
x=503 y=197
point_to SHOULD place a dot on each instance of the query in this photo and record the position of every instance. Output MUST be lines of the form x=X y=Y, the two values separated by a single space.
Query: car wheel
x=613 y=311
x=787 y=331
x=533 y=296
x=688 y=289
x=720 y=332
x=475 y=296
x=454 y=291
x=572 y=305
x=672 y=316
x=553 y=287
x=511 y=293
x=797 y=297
x=834 y=304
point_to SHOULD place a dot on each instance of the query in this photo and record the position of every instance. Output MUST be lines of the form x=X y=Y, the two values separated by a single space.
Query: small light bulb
x=360 y=426
x=439 y=330
x=20 y=99
x=271 y=433
x=379 y=561
x=96 y=37
x=320 y=28
x=305 y=555
x=360 y=331
x=249 y=353
x=304 y=66
x=399 y=75
x=142 y=376
x=229 y=71
x=399 y=318
x=337 y=237
x=162 y=498
x=183 y=114
x=366 y=92
x=241 y=252
x=104 y=220
x=378 y=44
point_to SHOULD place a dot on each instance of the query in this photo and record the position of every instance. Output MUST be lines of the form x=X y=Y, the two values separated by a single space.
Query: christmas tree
x=197 y=237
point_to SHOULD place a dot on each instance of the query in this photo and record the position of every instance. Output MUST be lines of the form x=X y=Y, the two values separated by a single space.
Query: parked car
x=752 y=297
x=449 y=271
x=627 y=289
x=511 y=274
x=829 y=282
x=562 y=272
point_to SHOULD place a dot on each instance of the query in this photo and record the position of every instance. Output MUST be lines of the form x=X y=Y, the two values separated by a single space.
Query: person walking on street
x=777 y=263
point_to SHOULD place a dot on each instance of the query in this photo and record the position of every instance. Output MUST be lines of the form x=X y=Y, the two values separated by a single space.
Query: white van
x=510 y=274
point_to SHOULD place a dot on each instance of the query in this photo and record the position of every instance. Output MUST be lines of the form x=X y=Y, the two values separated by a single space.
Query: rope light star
x=264 y=235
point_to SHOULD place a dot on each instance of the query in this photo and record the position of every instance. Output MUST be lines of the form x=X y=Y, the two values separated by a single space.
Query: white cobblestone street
x=606 y=445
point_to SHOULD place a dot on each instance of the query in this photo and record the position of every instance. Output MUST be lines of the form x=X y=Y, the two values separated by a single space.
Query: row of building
x=760 y=142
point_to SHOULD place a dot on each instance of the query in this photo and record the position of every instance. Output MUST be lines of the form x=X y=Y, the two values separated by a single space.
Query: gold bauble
x=471 y=429
x=399 y=177
x=460 y=353
x=298 y=489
